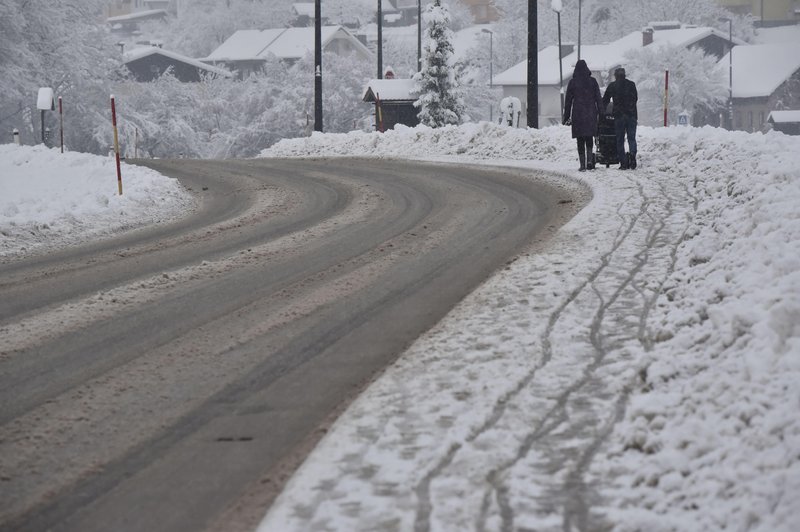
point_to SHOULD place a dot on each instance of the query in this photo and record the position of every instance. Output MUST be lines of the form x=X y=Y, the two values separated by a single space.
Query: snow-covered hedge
x=48 y=198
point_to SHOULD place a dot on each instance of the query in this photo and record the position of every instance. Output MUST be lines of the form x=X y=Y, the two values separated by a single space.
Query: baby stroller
x=606 y=141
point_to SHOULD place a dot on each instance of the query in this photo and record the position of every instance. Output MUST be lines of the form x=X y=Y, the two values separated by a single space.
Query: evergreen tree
x=440 y=100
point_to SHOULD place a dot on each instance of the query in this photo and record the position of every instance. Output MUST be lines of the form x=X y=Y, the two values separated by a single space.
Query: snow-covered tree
x=58 y=44
x=695 y=84
x=208 y=23
x=440 y=99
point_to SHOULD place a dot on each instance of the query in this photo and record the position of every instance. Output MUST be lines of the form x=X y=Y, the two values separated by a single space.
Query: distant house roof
x=603 y=57
x=389 y=90
x=547 y=67
x=287 y=44
x=244 y=45
x=759 y=70
x=784 y=117
x=147 y=51
x=139 y=16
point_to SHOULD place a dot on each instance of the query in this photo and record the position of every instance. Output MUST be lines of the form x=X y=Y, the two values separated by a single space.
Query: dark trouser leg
x=630 y=130
x=590 y=153
x=620 y=124
x=582 y=152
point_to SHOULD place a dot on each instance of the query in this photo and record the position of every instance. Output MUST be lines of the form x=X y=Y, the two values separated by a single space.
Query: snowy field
x=50 y=200
x=640 y=371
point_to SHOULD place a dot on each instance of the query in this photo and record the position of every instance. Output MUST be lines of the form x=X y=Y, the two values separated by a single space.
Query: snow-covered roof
x=466 y=39
x=389 y=90
x=784 y=117
x=547 y=67
x=778 y=35
x=139 y=53
x=759 y=70
x=139 y=15
x=286 y=43
x=245 y=45
x=603 y=57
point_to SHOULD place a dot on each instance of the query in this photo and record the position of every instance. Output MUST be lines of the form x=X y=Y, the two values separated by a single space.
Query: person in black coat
x=624 y=95
x=583 y=104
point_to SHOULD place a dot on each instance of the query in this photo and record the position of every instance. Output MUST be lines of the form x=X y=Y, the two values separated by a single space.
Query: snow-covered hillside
x=640 y=371
x=49 y=199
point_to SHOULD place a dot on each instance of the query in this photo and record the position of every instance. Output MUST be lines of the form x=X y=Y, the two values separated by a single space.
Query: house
x=304 y=15
x=787 y=122
x=766 y=78
x=396 y=102
x=149 y=63
x=483 y=11
x=246 y=51
x=129 y=24
x=767 y=13
x=602 y=60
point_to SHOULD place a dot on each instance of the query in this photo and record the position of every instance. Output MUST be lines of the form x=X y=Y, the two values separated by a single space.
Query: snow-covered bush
x=695 y=84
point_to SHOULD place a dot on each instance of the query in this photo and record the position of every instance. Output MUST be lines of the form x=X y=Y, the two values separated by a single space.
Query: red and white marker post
x=61 y=118
x=116 y=142
x=666 y=97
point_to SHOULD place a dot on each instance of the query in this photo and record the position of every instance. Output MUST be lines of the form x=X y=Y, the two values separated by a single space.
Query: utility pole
x=317 y=66
x=533 y=65
x=580 y=8
x=419 y=35
x=380 y=39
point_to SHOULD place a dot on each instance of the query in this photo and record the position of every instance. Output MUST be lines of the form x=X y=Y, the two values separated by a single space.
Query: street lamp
x=491 y=69
x=557 y=6
x=730 y=69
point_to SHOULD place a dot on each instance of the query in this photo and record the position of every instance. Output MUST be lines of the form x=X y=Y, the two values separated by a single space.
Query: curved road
x=173 y=377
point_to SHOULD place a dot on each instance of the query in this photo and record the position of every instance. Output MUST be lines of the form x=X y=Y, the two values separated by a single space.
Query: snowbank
x=49 y=199
x=707 y=233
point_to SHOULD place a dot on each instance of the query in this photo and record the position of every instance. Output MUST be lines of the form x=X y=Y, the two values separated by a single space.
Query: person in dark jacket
x=583 y=104
x=622 y=92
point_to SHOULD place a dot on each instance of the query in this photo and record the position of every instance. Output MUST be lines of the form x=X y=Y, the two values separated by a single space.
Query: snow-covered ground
x=640 y=371
x=50 y=200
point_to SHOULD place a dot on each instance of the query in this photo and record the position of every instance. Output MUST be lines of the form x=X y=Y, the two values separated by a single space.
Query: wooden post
x=380 y=112
x=116 y=143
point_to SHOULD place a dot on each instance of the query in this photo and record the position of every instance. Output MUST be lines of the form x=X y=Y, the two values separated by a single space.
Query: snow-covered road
x=635 y=372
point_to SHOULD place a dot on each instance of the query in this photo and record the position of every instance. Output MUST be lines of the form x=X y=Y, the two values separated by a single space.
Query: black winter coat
x=623 y=92
x=583 y=103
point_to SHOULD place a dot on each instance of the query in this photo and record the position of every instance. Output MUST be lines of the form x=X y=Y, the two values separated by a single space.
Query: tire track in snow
x=633 y=284
x=425 y=506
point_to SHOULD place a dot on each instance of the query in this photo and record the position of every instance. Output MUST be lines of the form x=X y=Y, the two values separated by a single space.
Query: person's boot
x=623 y=164
x=582 y=158
x=590 y=163
x=632 y=161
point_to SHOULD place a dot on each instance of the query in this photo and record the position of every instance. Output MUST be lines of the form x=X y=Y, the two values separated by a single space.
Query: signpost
x=45 y=102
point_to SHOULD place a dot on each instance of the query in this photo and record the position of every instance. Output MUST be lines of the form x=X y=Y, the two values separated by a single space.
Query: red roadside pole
x=666 y=96
x=116 y=142
x=61 y=117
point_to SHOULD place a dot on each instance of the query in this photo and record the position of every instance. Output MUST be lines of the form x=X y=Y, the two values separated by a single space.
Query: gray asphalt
x=198 y=362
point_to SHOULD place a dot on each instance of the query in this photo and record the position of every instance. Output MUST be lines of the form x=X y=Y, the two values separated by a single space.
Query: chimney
x=566 y=49
x=647 y=36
